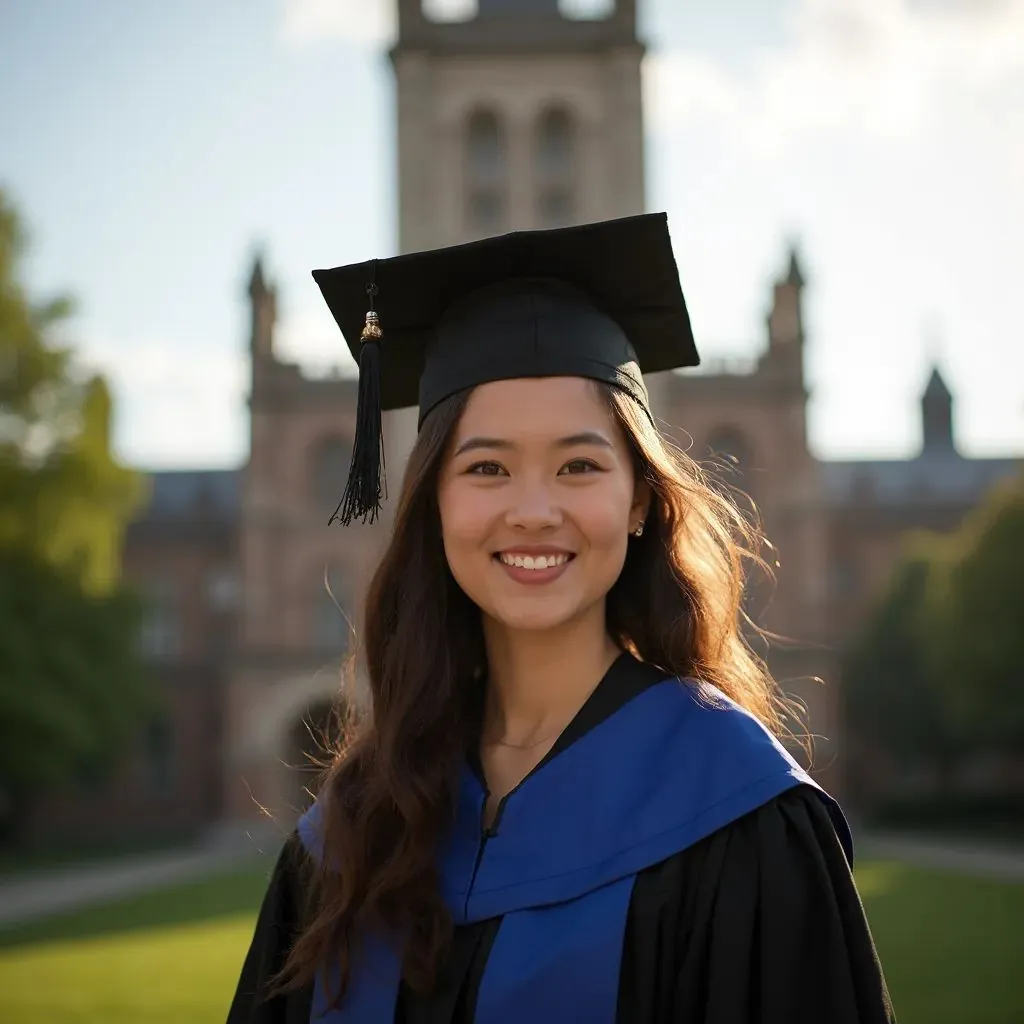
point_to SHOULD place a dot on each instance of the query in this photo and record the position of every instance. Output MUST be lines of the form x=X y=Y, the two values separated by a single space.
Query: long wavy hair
x=389 y=792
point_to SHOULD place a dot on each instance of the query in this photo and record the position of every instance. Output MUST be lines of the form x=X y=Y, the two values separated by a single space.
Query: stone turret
x=263 y=306
x=937 y=415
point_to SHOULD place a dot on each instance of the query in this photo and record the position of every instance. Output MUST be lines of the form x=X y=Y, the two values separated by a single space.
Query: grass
x=950 y=946
x=166 y=957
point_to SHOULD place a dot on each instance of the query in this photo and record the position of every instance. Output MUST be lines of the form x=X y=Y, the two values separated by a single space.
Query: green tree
x=72 y=687
x=70 y=681
x=893 y=697
x=976 y=611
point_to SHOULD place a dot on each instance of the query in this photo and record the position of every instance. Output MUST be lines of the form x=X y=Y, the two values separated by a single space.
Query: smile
x=533 y=562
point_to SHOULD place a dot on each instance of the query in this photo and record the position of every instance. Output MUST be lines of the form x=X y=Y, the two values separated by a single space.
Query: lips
x=534 y=561
x=534 y=567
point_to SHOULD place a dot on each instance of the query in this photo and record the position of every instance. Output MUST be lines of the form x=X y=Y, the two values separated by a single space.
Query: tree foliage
x=65 y=498
x=938 y=670
x=71 y=691
x=70 y=682
x=891 y=688
x=976 y=614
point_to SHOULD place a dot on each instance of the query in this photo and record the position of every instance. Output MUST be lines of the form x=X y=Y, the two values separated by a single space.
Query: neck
x=538 y=681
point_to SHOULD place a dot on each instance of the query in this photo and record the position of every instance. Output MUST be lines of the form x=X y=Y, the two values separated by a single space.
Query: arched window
x=555 y=168
x=486 y=172
x=160 y=636
x=555 y=132
x=331 y=614
x=161 y=769
x=328 y=470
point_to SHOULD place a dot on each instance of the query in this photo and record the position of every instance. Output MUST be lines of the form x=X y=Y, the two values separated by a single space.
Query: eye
x=577 y=466
x=486 y=469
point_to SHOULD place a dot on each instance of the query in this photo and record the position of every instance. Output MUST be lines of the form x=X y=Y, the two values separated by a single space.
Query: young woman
x=569 y=801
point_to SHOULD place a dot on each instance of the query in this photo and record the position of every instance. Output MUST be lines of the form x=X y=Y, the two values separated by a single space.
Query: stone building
x=520 y=117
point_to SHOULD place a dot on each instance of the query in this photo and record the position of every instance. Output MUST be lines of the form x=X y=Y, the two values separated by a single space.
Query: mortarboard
x=601 y=301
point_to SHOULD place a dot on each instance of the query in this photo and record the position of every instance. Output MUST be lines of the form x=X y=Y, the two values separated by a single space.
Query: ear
x=641 y=506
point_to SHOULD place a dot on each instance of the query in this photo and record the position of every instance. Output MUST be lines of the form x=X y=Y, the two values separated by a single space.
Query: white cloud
x=1016 y=159
x=362 y=22
x=175 y=405
x=311 y=338
x=684 y=87
x=366 y=22
x=184 y=405
x=880 y=67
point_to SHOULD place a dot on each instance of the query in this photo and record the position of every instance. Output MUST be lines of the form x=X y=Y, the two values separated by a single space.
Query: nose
x=532 y=507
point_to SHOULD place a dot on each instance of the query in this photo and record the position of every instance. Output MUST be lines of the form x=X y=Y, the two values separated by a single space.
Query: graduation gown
x=756 y=921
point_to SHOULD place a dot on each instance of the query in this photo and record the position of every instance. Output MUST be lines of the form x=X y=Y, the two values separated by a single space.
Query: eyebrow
x=586 y=437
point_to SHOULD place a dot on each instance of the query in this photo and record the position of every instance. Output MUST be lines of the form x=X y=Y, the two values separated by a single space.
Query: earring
x=639 y=531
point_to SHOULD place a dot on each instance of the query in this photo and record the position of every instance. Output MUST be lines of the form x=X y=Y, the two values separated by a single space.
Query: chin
x=529 y=623
x=540 y=618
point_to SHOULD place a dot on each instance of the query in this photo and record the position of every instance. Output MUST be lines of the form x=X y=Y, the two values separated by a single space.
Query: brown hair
x=389 y=794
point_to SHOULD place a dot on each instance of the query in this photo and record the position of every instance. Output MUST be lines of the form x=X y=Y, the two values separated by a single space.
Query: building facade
x=518 y=118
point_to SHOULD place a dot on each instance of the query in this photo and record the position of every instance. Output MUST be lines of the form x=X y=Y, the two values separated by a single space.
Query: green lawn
x=166 y=957
x=950 y=946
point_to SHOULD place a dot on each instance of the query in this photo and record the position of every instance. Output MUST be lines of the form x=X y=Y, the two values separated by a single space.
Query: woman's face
x=538 y=498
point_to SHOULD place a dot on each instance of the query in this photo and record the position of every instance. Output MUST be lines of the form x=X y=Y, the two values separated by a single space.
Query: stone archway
x=268 y=738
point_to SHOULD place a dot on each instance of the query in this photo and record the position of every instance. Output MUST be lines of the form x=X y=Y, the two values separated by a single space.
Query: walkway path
x=1002 y=862
x=34 y=896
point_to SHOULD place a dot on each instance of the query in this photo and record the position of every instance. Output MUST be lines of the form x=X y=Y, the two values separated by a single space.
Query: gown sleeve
x=276 y=929
x=761 y=923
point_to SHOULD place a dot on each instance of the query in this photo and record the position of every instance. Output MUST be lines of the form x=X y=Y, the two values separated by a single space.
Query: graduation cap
x=600 y=301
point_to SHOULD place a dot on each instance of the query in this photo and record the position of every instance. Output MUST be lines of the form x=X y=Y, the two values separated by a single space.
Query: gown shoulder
x=757 y=923
x=277 y=927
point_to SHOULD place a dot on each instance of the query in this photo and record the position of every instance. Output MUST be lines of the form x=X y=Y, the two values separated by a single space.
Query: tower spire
x=937 y=415
x=263 y=308
x=795 y=275
x=785 y=320
x=784 y=357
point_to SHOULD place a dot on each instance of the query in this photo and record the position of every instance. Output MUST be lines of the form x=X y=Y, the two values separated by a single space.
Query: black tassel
x=365 y=486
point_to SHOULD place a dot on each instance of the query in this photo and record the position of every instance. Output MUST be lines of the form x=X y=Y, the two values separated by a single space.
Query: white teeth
x=534 y=561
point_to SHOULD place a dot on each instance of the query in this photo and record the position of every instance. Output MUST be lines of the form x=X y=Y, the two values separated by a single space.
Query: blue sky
x=151 y=146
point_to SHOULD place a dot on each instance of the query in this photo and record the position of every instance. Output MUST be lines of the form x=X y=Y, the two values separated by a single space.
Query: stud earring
x=639 y=531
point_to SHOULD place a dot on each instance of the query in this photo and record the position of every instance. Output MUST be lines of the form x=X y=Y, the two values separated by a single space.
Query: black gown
x=758 y=923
